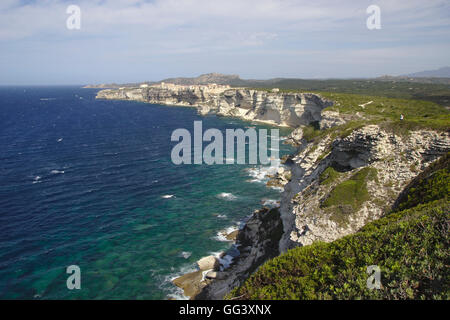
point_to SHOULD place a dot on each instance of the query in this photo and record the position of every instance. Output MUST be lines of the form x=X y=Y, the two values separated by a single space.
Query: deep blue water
x=82 y=182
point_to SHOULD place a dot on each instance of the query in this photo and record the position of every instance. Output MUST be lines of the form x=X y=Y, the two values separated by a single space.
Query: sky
x=136 y=40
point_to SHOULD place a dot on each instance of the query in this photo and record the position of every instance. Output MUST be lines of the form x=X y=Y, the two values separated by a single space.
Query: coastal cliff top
x=429 y=89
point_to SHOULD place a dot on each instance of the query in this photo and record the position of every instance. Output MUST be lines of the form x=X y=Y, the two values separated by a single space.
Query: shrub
x=409 y=246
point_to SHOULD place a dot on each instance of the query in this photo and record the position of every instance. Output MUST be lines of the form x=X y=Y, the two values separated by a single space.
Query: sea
x=91 y=183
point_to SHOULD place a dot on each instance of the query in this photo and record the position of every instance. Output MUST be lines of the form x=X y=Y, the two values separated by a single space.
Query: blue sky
x=136 y=40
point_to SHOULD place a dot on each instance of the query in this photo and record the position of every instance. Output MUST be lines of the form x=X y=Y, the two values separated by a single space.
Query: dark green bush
x=410 y=247
x=431 y=184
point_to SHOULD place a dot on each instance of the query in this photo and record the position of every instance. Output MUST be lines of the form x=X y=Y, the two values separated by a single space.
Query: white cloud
x=159 y=30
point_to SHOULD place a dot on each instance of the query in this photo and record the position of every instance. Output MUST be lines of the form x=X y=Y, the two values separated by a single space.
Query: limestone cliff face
x=306 y=213
x=395 y=159
x=283 y=109
x=302 y=219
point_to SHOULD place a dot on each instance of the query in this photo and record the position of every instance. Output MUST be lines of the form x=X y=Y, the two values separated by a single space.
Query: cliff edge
x=355 y=156
x=268 y=106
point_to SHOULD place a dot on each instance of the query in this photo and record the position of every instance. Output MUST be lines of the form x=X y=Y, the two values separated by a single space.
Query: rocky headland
x=350 y=166
x=269 y=106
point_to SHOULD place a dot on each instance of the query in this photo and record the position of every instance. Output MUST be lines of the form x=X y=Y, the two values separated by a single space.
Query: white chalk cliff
x=282 y=109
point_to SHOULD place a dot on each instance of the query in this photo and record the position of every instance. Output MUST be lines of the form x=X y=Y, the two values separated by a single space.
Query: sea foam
x=227 y=196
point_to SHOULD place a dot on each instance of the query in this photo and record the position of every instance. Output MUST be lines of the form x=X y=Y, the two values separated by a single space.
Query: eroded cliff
x=339 y=184
x=353 y=161
x=282 y=109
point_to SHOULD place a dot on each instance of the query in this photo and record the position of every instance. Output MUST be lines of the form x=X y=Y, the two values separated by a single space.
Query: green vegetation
x=386 y=112
x=409 y=246
x=385 y=109
x=310 y=133
x=431 y=184
x=417 y=114
x=314 y=134
x=434 y=92
x=352 y=192
x=382 y=111
x=347 y=197
x=329 y=175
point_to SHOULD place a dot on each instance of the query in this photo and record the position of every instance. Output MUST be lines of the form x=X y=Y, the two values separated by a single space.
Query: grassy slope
x=435 y=92
x=348 y=196
x=382 y=111
x=422 y=105
x=416 y=113
x=410 y=247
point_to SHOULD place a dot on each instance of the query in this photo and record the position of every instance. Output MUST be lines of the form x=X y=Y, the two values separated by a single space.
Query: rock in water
x=207 y=263
x=232 y=235
x=191 y=283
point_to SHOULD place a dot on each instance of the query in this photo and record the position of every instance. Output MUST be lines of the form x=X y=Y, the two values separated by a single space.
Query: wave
x=176 y=292
x=37 y=179
x=270 y=203
x=185 y=254
x=226 y=258
x=222 y=235
x=280 y=189
x=227 y=196
x=262 y=173
x=57 y=171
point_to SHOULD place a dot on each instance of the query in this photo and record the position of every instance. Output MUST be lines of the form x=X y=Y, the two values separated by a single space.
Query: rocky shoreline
x=333 y=186
x=251 y=245
x=254 y=244
x=258 y=240
x=285 y=109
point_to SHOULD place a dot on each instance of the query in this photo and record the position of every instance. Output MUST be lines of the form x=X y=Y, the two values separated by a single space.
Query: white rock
x=207 y=263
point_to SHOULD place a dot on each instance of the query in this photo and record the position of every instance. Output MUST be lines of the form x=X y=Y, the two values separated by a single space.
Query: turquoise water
x=83 y=183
